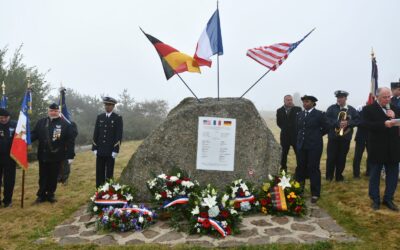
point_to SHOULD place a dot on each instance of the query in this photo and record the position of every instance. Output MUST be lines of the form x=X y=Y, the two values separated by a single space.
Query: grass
x=347 y=203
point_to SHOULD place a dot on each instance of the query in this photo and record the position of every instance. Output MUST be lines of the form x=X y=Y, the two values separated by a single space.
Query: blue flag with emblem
x=3 y=101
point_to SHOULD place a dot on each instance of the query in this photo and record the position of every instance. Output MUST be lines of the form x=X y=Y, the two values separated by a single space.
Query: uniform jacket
x=287 y=124
x=383 y=143
x=362 y=132
x=107 y=134
x=6 y=136
x=332 y=115
x=56 y=140
x=311 y=129
x=396 y=101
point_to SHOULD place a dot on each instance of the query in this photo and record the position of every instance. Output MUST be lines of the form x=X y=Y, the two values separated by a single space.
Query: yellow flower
x=266 y=187
x=264 y=210
x=296 y=184
x=288 y=196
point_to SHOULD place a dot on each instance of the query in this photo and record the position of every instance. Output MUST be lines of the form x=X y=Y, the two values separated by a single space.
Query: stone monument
x=174 y=144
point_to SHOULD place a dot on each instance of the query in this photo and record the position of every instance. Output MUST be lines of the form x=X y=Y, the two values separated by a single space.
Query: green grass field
x=346 y=202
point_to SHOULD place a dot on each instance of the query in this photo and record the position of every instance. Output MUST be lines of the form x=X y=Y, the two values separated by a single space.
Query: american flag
x=374 y=81
x=274 y=55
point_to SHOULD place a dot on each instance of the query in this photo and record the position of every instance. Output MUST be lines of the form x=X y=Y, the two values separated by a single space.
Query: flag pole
x=187 y=86
x=28 y=76
x=218 y=62
x=255 y=83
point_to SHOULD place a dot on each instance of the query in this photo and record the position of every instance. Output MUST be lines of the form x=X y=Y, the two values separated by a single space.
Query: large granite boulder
x=174 y=144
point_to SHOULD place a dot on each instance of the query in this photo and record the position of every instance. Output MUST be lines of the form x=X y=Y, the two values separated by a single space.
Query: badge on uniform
x=57 y=133
x=1 y=133
x=12 y=131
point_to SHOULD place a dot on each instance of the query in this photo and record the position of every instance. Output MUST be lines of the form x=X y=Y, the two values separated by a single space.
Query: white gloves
x=95 y=152
x=114 y=155
x=70 y=161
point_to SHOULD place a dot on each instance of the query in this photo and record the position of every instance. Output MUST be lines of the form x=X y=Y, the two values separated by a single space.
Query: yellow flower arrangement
x=266 y=187
x=264 y=210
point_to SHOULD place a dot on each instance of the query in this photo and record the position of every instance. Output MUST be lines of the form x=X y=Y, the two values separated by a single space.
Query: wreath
x=240 y=195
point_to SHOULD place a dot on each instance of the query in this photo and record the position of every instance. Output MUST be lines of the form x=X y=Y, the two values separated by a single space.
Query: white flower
x=129 y=197
x=209 y=201
x=283 y=173
x=93 y=198
x=285 y=182
x=105 y=187
x=157 y=197
x=224 y=223
x=162 y=176
x=245 y=206
x=150 y=214
x=270 y=177
x=213 y=212
x=233 y=211
x=117 y=187
x=134 y=206
x=224 y=199
x=214 y=192
x=114 y=197
x=237 y=181
x=244 y=186
x=247 y=193
x=234 y=190
x=106 y=196
x=179 y=175
x=169 y=194
x=176 y=189
x=198 y=230
x=141 y=219
x=256 y=203
x=187 y=184
x=182 y=193
x=195 y=210
x=173 y=178
x=95 y=208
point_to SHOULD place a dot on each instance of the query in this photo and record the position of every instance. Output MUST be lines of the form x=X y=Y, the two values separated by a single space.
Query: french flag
x=210 y=42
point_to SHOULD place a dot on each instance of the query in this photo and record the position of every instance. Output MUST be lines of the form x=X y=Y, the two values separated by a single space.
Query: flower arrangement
x=282 y=196
x=210 y=217
x=110 y=194
x=129 y=217
x=172 y=192
x=240 y=195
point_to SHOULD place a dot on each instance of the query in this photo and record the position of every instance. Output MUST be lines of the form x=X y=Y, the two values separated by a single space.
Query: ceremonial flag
x=3 y=101
x=274 y=55
x=172 y=60
x=374 y=81
x=64 y=114
x=22 y=137
x=210 y=42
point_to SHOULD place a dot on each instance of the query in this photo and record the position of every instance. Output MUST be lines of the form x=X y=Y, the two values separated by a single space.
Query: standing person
x=312 y=125
x=107 y=138
x=383 y=147
x=55 y=146
x=395 y=86
x=7 y=164
x=361 y=145
x=286 y=121
x=65 y=168
x=342 y=118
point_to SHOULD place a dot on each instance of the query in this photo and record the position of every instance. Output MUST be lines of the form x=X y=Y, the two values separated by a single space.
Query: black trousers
x=48 y=173
x=358 y=153
x=285 y=152
x=308 y=161
x=336 y=158
x=7 y=177
x=65 y=170
x=104 y=169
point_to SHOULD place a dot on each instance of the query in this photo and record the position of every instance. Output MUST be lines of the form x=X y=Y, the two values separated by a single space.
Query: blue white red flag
x=210 y=42
x=3 y=102
x=374 y=81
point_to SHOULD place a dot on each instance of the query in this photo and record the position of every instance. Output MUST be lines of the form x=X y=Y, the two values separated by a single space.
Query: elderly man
x=312 y=125
x=7 y=164
x=342 y=118
x=56 y=142
x=107 y=138
x=286 y=121
x=383 y=147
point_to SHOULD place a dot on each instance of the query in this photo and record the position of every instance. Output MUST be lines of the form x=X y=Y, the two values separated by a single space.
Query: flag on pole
x=22 y=137
x=3 y=101
x=172 y=60
x=64 y=114
x=210 y=42
x=274 y=55
x=374 y=81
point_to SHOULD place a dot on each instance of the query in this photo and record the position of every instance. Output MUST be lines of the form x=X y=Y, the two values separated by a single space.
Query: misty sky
x=96 y=47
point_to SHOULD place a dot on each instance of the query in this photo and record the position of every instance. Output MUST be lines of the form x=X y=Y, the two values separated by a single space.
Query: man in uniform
x=340 y=134
x=56 y=144
x=7 y=164
x=312 y=125
x=383 y=147
x=107 y=138
x=286 y=121
x=395 y=86
x=361 y=145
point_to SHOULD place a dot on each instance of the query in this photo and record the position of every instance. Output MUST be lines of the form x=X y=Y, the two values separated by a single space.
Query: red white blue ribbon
x=215 y=224
x=110 y=202
x=137 y=210
x=182 y=200
x=244 y=199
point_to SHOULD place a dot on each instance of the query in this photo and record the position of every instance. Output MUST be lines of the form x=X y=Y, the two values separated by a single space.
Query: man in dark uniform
x=286 y=121
x=395 y=86
x=107 y=138
x=56 y=141
x=340 y=134
x=361 y=145
x=383 y=147
x=65 y=168
x=312 y=125
x=7 y=164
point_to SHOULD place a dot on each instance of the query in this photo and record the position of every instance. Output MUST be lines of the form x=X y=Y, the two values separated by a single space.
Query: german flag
x=172 y=60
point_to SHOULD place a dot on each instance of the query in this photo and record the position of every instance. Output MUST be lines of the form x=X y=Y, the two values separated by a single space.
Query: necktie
x=306 y=114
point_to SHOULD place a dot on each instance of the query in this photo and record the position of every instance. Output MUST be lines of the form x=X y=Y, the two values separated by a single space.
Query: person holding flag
x=56 y=144
x=7 y=164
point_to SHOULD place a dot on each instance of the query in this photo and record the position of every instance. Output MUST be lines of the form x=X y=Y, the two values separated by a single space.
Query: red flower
x=298 y=209
x=263 y=202
x=268 y=200
x=206 y=223
x=164 y=194
x=228 y=230
x=179 y=181
x=241 y=193
x=168 y=177
x=114 y=225
x=237 y=204
x=225 y=214
x=169 y=184
x=110 y=213
x=186 y=179
x=149 y=218
x=203 y=214
x=291 y=200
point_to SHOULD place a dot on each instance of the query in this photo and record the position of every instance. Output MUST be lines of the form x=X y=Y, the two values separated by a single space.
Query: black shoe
x=375 y=206
x=391 y=205
x=51 y=199
x=39 y=200
x=314 y=199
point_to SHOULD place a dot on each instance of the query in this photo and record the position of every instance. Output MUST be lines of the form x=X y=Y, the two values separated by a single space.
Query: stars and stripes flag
x=64 y=114
x=22 y=136
x=374 y=81
x=274 y=55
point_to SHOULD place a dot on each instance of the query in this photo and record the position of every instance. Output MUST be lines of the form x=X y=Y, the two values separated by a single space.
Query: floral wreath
x=282 y=196
x=110 y=194
x=210 y=217
x=129 y=217
x=240 y=195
